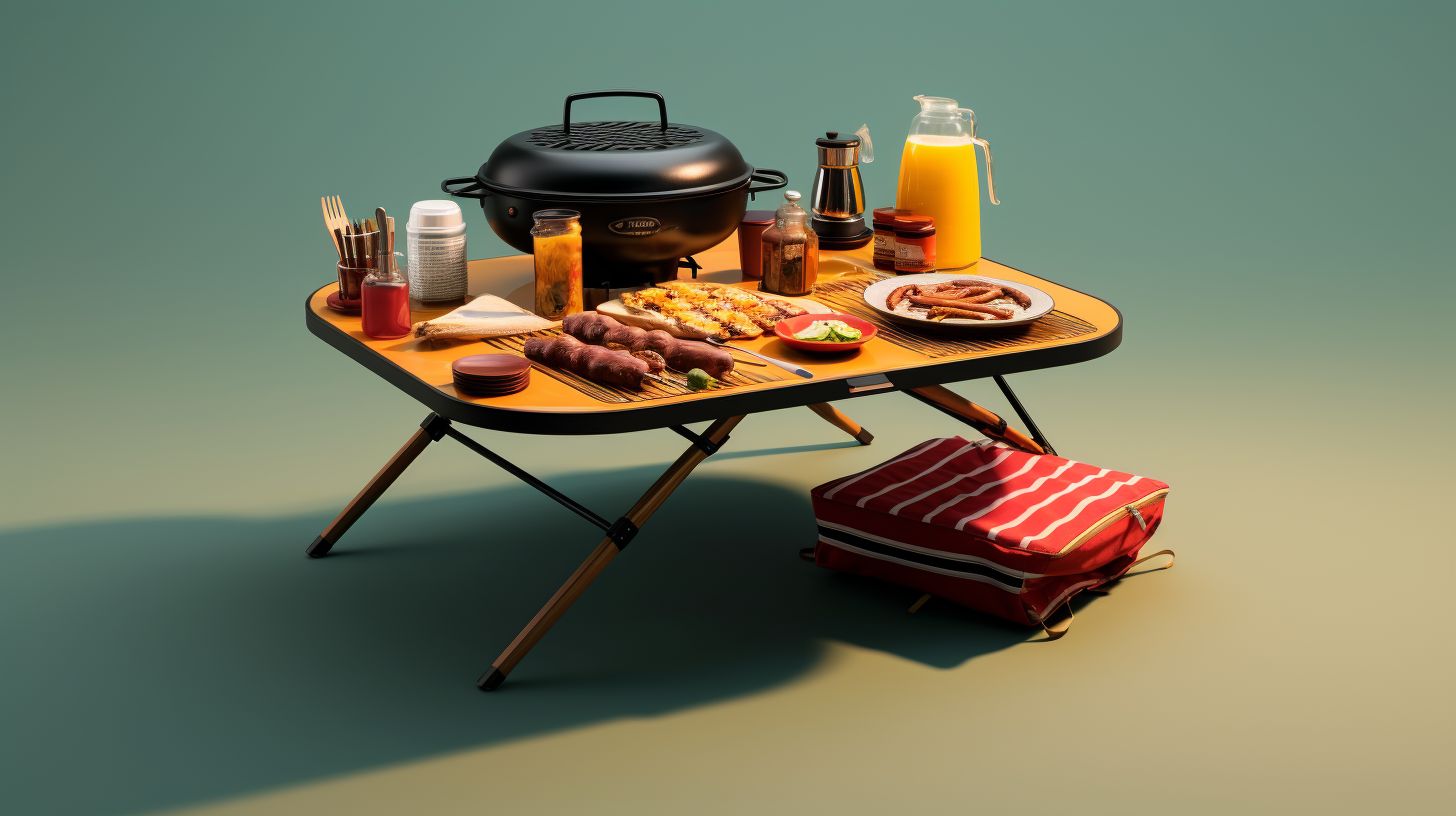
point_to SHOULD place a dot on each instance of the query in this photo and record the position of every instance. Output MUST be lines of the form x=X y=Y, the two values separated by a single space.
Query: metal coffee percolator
x=839 y=201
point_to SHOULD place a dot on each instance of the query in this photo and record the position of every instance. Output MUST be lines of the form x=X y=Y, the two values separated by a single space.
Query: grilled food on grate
x=701 y=309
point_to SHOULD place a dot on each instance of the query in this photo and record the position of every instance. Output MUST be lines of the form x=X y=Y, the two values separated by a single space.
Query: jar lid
x=888 y=215
x=435 y=214
x=914 y=224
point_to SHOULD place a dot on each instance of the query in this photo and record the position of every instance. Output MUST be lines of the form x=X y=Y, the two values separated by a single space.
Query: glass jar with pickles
x=556 y=244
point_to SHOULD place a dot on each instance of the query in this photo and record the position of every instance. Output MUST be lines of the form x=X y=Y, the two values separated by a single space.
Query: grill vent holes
x=614 y=136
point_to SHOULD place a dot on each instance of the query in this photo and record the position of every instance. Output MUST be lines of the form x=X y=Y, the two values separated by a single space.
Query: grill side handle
x=473 y=188
x=566 y=109
x=770 y=179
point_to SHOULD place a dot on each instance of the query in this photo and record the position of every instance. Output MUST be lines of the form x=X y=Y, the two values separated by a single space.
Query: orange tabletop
x=1080 y=328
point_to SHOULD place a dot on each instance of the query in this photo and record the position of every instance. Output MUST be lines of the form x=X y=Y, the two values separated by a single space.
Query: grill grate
x=675 y=386
x=848 y=296
x=614 y=136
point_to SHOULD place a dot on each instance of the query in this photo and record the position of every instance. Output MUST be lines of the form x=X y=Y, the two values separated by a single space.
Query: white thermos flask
x=437 y=262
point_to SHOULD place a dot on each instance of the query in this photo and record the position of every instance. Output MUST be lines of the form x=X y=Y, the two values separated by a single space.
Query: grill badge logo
x=635 y=226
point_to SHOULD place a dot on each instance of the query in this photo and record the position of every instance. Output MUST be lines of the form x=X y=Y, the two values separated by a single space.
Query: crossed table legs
x=619 y=533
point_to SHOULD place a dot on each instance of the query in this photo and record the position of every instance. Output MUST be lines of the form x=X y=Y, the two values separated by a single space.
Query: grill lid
x=614 y=159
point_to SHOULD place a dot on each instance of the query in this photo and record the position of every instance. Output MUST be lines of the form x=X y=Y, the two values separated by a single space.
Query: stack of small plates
x=491 y=375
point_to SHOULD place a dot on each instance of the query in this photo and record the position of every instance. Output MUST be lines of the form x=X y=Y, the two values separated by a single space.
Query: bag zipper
x=1134 y=509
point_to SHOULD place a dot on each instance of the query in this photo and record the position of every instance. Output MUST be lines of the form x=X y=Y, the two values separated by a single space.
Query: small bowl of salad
x=825 y=333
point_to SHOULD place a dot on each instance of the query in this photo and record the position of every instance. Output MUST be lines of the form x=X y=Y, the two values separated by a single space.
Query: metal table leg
x=615 y=541
x=842 y=422
x=1022 y=412
x=987 y=422
x=431 y=429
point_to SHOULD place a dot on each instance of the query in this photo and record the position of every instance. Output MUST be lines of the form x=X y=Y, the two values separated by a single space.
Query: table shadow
x=170 y=661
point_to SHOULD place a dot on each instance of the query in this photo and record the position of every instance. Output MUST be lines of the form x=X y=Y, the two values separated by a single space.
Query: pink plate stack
x=491 y=375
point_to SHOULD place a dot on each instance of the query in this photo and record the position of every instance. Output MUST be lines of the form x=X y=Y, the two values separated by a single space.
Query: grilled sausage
x=683 y=355
x=971 y=309
x=900 y=293
x=595 y=363
x=942 y=312
x=1016 y=295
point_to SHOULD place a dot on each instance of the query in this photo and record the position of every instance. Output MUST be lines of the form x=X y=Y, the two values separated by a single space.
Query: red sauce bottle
x=384 y=301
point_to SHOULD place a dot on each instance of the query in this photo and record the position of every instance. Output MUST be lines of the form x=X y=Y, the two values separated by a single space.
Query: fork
x=336 y=221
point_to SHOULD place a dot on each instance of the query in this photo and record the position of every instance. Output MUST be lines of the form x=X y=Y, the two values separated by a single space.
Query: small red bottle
x=385 y=303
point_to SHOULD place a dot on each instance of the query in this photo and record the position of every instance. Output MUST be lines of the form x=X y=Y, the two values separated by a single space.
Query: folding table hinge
x=699 y=441
x=622 y=532
x=436 y=426
x=999 y=429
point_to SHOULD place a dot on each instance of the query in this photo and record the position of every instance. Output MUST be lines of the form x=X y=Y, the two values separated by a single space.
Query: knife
x=385 y=262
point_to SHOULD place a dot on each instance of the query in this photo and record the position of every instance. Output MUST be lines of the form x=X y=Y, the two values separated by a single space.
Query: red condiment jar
x=385 y=303
x=884 y=225
x=914 y=244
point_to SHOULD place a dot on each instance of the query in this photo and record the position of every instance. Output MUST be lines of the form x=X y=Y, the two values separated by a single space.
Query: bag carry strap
x=1106 y=589
x=1057 y=630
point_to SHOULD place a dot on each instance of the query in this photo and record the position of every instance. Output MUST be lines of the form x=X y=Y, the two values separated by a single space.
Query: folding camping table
x=917 y=363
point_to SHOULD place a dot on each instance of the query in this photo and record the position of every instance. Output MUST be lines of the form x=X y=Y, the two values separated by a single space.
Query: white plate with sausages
x=950 y=300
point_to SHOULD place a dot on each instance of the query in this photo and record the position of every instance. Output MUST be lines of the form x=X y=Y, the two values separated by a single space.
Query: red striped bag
x=986 y=526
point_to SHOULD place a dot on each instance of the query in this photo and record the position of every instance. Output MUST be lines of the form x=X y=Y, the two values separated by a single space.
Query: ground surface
x=1263 y=190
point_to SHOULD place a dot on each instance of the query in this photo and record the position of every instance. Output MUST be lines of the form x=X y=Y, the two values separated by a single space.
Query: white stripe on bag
x=922 y=567
x=1043 y=503
x=1030 y=463
x=1031 y=488
x=916 y=451
x=1082 y=505
x=882 y=491
x=895 y=511
x=946 y=554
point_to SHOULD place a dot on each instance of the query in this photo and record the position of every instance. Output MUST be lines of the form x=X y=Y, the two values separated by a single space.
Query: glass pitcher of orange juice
x=938 y=178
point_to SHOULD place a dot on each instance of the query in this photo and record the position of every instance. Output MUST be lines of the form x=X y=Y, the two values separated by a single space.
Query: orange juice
x=938 y=178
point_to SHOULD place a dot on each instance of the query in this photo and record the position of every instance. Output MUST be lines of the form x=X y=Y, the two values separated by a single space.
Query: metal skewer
x=789 y=367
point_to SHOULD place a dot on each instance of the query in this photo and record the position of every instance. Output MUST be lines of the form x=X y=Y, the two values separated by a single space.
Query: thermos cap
x=435 y=215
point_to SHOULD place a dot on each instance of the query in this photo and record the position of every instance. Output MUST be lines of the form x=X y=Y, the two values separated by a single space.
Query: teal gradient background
x=1263 y=189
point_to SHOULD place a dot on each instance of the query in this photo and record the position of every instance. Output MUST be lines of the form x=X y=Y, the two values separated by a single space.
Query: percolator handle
x=866 y=145
x=566 y=110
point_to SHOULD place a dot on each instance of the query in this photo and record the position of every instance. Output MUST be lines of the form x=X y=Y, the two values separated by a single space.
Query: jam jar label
x=635 y=226
x=910 y=257
x=884 y=246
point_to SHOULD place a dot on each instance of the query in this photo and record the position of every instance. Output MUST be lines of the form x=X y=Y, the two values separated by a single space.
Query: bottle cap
x=435 y=215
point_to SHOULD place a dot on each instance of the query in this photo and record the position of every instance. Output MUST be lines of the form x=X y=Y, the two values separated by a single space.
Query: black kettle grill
x=649 y=193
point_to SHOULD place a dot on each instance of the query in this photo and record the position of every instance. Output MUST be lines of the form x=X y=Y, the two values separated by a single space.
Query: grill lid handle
x=566 y=111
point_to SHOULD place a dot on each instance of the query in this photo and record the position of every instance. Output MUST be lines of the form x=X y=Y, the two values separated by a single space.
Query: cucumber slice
x=818 y=330
x=846 y=333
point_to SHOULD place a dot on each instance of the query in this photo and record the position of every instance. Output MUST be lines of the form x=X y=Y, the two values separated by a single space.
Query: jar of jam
x=914 y=244
x=884 y=225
